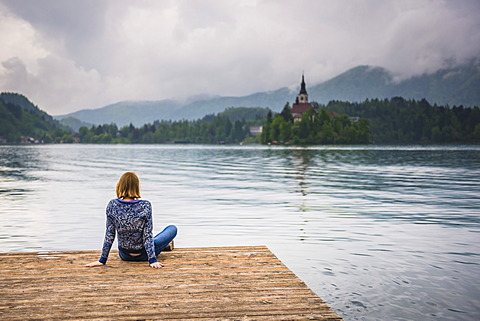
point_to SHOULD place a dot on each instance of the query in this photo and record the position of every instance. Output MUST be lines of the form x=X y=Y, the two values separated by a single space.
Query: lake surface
x=379 y=232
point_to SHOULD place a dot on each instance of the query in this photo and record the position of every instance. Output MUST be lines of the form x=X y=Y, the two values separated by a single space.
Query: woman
x=131 y=218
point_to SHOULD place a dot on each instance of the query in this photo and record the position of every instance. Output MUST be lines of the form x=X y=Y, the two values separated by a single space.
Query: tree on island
x=315 y=127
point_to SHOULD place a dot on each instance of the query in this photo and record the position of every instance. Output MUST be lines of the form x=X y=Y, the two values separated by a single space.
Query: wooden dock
x=225 y=283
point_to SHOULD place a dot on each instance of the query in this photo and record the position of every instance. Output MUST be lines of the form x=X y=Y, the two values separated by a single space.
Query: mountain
x=274 y=100
x=452 y=86
x=74 y=123
x=142 y=112
x=22 y=102
x=19 y=117
x=126 y=112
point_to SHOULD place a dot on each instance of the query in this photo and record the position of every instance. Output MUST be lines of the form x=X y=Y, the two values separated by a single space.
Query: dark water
x=380 y=233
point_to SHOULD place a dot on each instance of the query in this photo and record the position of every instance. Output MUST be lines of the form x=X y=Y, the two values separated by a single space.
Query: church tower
x=302 y=95
x=301 y=104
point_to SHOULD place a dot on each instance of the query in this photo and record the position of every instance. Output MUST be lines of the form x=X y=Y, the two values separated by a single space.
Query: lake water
x=379 y=232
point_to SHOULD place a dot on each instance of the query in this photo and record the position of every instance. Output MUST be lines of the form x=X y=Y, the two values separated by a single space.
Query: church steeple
x=302 y=95
x=303 y=89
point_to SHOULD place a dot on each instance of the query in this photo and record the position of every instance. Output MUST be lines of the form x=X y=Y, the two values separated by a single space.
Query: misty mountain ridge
x=452 y=86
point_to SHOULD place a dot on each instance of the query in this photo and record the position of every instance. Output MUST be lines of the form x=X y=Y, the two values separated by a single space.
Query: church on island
x=301 y=104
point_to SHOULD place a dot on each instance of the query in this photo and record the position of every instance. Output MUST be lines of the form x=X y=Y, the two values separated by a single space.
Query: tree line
x=316 y=127
x=401 y=121
x=387 y=121
x=211 y=129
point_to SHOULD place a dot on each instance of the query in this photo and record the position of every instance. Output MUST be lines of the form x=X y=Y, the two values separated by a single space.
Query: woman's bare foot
x=169 y=247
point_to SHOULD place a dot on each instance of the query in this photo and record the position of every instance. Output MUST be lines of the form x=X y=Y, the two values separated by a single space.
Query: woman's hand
x=157 y=265
x=96 y=263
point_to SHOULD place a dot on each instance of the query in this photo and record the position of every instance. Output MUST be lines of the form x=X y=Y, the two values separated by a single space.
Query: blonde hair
x=128 y=186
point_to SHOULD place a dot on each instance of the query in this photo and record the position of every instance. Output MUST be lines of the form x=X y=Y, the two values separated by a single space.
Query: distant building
x=301 y=104
x=354 y=118
x=255 y=130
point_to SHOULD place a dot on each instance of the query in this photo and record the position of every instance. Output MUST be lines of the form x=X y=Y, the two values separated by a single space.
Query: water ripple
x=379 y=232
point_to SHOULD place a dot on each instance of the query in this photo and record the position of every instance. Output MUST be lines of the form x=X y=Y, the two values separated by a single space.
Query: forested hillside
x=387 y=121
x=401 y=121
x=21 y=121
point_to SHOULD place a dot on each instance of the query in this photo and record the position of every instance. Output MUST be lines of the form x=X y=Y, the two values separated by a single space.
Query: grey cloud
x=69 y=19
x=100 y=52
x=57 y=81
x=17 y=75
x=74 y=27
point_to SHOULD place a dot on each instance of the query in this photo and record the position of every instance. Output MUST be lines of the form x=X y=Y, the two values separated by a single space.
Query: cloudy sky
x=67 y=55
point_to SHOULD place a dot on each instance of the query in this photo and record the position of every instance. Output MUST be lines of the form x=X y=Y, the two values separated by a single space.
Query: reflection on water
x=17 y=163
x=378 y=232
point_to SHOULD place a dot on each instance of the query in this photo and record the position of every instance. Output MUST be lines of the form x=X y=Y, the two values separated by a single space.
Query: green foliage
x=212 y=129
x=73 y=123
x=400 y=121
x=26 y=123
x=315 y=127
x=253 y=115
x=388 y=121
x=24 y=104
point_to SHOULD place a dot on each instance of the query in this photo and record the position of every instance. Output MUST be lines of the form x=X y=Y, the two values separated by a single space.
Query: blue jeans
x=160 y=241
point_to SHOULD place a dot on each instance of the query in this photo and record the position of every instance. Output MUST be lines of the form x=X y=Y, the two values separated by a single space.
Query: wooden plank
x=227 y=283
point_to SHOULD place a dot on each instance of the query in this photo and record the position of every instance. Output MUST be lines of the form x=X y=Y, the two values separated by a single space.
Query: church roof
x=300 y=108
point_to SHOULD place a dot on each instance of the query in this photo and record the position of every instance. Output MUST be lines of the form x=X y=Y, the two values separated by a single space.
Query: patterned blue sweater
x=132 y=220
